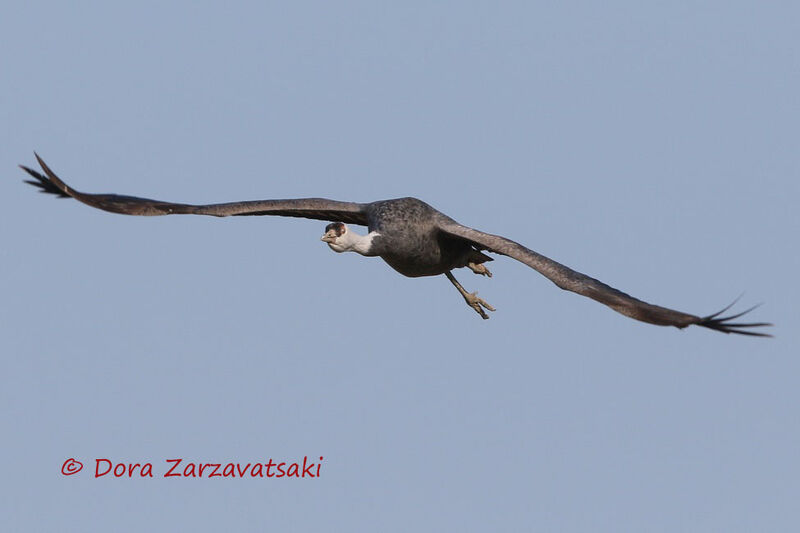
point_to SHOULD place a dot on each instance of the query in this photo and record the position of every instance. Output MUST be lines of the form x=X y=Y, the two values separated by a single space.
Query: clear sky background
x=651 y=145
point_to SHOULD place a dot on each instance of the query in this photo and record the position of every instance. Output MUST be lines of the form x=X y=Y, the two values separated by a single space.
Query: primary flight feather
x=413 y=238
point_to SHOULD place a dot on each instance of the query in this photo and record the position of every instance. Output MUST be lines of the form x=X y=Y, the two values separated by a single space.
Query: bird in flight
x=414 y=239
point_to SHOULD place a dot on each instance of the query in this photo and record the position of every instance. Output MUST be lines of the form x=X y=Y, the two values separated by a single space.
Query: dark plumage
x=413 y=238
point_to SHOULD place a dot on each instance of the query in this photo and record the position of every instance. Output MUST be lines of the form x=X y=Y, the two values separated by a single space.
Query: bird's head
x=340 y=239
x=336 y=235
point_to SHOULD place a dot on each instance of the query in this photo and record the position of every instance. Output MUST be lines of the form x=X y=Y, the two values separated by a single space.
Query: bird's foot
x=479 y=268
x=478 y=304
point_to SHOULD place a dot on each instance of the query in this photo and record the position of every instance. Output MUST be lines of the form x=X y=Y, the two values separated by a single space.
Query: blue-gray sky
x=651 y=145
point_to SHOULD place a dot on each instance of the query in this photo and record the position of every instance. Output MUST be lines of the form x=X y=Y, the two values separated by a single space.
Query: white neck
x=353 y=242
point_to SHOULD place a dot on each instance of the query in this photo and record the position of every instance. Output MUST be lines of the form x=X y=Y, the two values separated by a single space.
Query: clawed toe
x=478 y=304
x=479 y=268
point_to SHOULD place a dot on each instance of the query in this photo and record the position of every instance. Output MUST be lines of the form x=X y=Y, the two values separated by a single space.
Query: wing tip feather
x=724 y=324
x=46 y=184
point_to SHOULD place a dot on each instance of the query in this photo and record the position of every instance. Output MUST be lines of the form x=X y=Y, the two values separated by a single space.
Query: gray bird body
x=415 y=240
x=410 y=239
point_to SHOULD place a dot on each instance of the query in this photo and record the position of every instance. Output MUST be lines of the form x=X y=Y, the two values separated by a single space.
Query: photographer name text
x=181 y=468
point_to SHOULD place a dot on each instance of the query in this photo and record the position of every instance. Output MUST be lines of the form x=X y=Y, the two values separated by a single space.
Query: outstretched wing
x=315 y=208
x=570 y=280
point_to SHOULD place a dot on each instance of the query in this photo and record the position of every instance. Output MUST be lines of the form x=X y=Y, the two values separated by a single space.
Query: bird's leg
x=479 y=268
x=471 y=298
